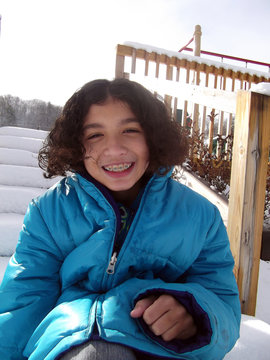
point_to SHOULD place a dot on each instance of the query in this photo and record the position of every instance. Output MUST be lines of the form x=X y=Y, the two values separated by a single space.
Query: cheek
x=90 y=156
x=145 y=152
x=90 y=150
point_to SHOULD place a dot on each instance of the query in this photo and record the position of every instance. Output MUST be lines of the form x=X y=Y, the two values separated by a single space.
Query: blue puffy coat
x=57 y=291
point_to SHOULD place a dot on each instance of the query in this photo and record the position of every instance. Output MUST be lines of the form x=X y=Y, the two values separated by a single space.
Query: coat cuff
x=201 y=319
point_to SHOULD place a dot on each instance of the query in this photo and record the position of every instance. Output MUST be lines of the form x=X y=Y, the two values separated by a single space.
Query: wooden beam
x=247 y=191
x=119 y=66
x=127 y=50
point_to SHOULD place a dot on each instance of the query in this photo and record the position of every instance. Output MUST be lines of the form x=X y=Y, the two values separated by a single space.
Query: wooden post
x=197 y=40
x=211 y=130
x=186 y=102
x=202 y=131
x=247 y=192
x=196 y=52
x=169 y=76
x=119 y=66
x=195 y=121
x=133 y=61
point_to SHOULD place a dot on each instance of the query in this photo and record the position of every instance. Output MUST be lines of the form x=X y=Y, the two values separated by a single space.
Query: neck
x=127 y=197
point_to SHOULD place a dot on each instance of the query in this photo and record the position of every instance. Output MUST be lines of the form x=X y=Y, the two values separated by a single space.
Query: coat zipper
x=116 y=249
x=112 y=263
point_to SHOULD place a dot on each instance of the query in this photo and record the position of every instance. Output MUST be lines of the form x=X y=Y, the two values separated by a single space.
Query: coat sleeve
x=209 y=292
x=30 y=286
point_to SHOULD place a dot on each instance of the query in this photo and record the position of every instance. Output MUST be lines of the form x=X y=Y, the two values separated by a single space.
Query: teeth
x=117 y=168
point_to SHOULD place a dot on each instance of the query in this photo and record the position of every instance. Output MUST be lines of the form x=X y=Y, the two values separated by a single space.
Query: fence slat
x=119 y=66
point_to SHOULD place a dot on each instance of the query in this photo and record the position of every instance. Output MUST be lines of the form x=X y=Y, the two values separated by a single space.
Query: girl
x=118 y=260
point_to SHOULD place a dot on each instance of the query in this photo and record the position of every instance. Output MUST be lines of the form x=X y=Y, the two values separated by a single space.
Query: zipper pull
x=111 y=266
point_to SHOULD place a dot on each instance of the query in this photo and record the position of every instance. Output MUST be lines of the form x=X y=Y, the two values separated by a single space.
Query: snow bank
x=15 y=199
x=23 y=132
x=3 y=264
x=10 y=226
x=21 y=180
x=24 y=143
x=24 y=176
x=18 y=157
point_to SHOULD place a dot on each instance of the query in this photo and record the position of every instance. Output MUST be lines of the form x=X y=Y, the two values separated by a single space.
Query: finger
x=159 y=308
x=141 y=306
x=175 y=323
x=168 y=320
x=179 y=332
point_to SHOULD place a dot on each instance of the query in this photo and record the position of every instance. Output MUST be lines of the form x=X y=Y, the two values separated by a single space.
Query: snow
x=21 y=180
x=23 y=175
x=12 y=203
x=198 y=59
x=263 y=298
x=10 y=226
x=22 y=143
x=254 y=341
x=23 y=132
x=262 y=88
x=15 y=156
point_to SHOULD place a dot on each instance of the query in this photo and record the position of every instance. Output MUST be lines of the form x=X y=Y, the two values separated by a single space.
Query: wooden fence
x=224 y=89
x=152 y=63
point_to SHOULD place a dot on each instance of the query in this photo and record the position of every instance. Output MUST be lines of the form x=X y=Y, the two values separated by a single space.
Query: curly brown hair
x=63 y=150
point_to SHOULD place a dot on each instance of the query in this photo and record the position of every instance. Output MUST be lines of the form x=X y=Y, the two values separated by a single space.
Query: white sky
x=49 y=48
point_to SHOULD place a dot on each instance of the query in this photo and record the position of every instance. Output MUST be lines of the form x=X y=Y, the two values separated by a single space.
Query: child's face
x=116 y=151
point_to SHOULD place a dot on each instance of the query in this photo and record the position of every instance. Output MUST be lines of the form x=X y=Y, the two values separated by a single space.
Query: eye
x=132 y=130
x=93 y=136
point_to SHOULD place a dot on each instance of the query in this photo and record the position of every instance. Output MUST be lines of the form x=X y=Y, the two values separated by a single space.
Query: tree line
x=34 y=114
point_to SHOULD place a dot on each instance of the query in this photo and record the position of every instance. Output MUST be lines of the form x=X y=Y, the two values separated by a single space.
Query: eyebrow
x=122 y=122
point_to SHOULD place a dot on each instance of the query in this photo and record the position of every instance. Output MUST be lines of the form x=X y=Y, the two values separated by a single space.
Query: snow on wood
x=198 y=59
x=193 y=182
x=261 y=88
x=218 y=99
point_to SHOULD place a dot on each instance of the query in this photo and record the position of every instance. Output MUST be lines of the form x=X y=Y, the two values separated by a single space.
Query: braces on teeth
x=117 y=168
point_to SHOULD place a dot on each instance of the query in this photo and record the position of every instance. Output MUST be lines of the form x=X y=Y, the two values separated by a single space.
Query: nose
x=115 y=146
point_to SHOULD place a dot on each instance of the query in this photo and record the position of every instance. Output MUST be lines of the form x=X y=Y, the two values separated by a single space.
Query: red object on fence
x=223 y=56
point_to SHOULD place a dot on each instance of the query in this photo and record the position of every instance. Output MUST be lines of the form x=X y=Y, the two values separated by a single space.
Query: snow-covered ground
x=21 y=180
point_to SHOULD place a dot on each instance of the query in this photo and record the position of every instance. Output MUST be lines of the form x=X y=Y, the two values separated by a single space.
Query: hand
x=166 y=317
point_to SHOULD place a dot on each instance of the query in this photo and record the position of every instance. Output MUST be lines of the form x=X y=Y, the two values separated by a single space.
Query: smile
x=118 y=168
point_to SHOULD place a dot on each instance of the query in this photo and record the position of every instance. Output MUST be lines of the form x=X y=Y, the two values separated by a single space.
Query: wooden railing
x=263 y=65
x=222 y=92
x=153 y=63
